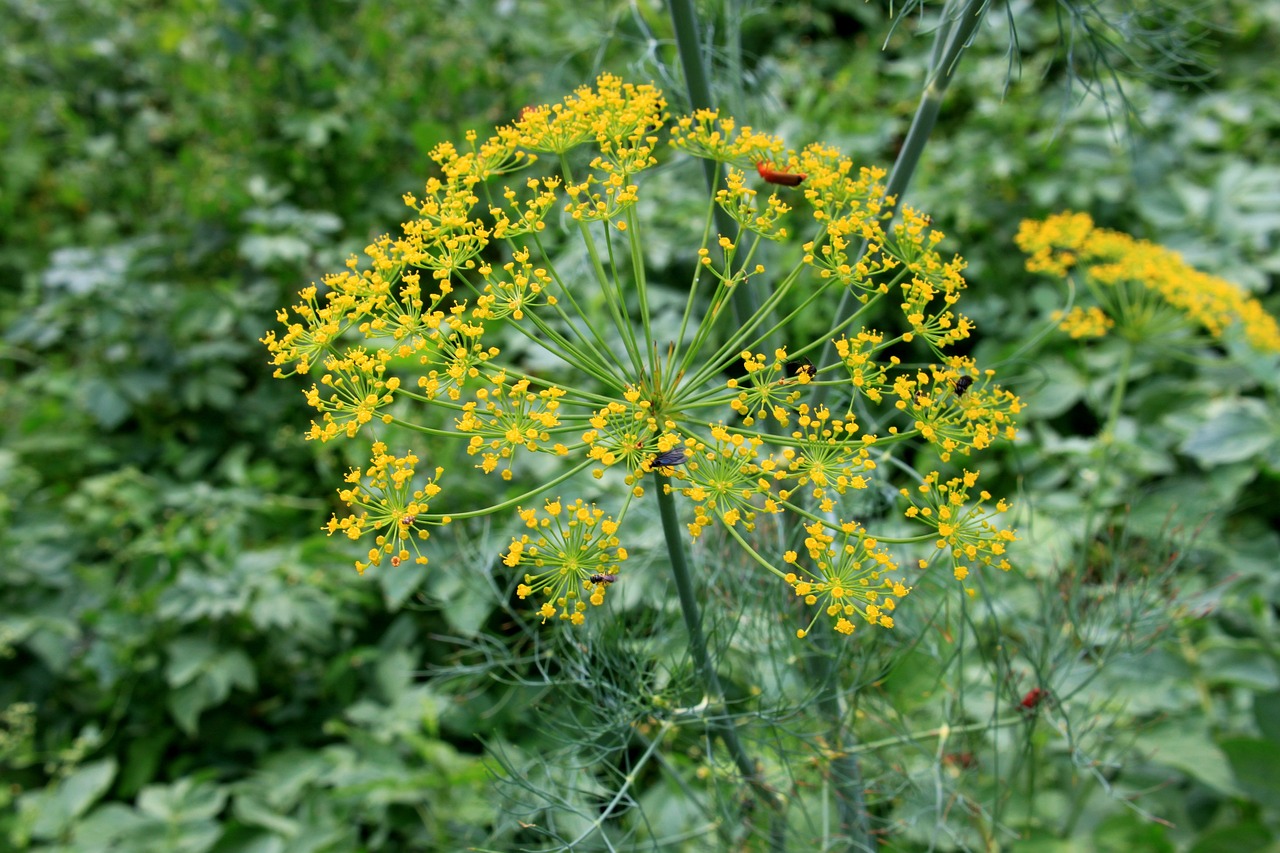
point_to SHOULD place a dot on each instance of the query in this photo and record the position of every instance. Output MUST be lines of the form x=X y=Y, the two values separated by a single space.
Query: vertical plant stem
x=846 y=772
x=952 y=38
x=1117 y=397
x=717 y=712
x=684 y=21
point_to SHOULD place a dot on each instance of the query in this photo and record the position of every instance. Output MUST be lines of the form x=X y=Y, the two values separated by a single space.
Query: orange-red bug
x=773 y=176
x=963 y=760
x=1034 y=697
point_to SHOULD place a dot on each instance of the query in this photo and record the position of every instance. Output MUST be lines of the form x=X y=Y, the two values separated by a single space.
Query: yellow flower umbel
x=509 y=324
x=570 y=542
x=389 y=502
x=850 y=578
x=964 y=526
x=1143 y=291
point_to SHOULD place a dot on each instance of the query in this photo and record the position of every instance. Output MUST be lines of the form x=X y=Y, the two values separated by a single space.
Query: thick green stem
x=846 y=773
x=952 y=38
x=684 y=21
x=717 y=712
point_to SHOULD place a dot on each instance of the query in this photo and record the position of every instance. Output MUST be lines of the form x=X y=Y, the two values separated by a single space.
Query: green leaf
x=1126 y=831
x=398 y=585
x=1240 y=663
x=1241 y=838
x=142 y=758
x=1256 y=764
x=1266 y=713
x=1185 y=744
x=188 y=656
x=1237 y=429
x=253 y=811
x=104 y=402
x=105 y=824
x=284 y=778
x=233 y=668
x=187 y=702
x=246 y=840
x=72 y=798
x=184 y=800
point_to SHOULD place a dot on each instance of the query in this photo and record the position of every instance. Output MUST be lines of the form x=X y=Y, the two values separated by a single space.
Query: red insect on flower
x=1034 y=697
x=773 y=176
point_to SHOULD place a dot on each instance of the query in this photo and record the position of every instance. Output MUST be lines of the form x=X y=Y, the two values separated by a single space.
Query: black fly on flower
x=801 y=370
x=674 y=456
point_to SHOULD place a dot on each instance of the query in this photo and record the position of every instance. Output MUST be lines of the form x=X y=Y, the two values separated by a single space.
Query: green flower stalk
x=432 y=334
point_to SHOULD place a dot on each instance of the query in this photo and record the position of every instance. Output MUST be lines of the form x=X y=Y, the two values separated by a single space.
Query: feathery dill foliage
x=417 y=328
x=1146 y=292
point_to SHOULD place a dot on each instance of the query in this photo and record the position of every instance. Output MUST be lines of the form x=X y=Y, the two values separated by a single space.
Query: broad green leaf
x=1241 y=838
x=246 y=840
x=187 y=657
x=1266 y=713
x=188 y=701
x=184 y=800
x=1128 y=831
x=1237 y=429
x=1256 y=764
x=57 y=808
x=102 y=826
x=105 y=402
x=257 y=813
x=1239 y=663
x=1185 y=744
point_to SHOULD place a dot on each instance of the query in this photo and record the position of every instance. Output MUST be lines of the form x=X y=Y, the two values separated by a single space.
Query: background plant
x=173 y=123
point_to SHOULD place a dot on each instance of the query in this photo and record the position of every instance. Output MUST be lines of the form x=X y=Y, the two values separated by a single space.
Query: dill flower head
x=1143 y=291
x=509 y=331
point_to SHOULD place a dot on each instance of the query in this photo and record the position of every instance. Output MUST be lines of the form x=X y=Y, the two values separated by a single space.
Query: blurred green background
x=190 y=664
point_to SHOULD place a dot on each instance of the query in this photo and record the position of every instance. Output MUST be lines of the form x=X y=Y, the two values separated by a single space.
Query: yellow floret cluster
x=1132 y=280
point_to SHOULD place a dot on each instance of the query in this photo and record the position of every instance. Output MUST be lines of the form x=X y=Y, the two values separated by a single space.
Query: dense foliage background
x=190 y=664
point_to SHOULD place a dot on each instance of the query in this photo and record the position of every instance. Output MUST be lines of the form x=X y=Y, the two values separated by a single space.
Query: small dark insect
x=803 y=367
x=600 y=577
x=962 y=384
x=773 y=176
x=408 y=520
x=674 y=456
x=1034 y=697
